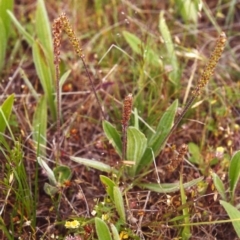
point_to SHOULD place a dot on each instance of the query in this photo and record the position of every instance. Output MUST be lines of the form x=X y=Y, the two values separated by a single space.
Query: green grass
x=155 y=190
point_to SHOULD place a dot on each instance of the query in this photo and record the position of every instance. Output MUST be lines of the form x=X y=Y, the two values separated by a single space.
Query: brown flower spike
x=127 y=109
x=207 y=73
x=212 y=62
x=60 y=24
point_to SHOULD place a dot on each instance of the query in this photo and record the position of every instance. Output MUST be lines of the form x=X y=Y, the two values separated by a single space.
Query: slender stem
x=92 y=85
x=124 y=141
x=58 y=114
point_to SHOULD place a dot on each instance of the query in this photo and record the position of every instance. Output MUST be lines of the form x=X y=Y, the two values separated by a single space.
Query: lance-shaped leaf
x=109 y=184
x=175 y=73
x=136 y=146
x=113 y=136
x=5 y=113
x=93 y=164
x=41 y=62
x=234 y=173
x=118 y=200
x=40 y=126
x=169 y=187
x=234 y=215
x=158 y=140
x=102 y=229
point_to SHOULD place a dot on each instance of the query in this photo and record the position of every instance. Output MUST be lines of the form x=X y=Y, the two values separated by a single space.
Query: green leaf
x=102 y=229
x=5 y=229
x=114 y=232
x=40 y=126
x=188 y=9
x=134 y=42
x=234 y=173
x=113 y=136
x=93 y=164
x=6 y=109
x=43 y=27
x=20 y=28
x=48 y=170
x=142 y=49
x=3 y=44
x=186 y=231
x=196 y=157
x=62 y=174
x=64 y=78
x=168 y=187
x=158 y=140
x=234 y=215
x=29 y=84
x=41 y=62
x=136 y=146
x=118 y=200
x=109 y=185
x=44 y=34
x=146 y=159
x=6 y=5
x=49 y=189
x=219 y=186
x=175 y=73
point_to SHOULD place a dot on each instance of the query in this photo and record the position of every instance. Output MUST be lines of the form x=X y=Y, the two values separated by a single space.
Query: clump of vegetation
x=119 y=147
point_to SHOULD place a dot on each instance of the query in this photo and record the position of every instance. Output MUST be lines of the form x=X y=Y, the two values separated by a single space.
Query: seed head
x=210 y=66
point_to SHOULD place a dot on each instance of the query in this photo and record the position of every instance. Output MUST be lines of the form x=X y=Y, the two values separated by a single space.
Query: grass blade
x=44 y=34
x=6 y=5
x=40 y=126
x=6 y=110
x=20 y=28
x=41 y=62
x=188 y=10
x=175 y=74
x=3 y=44
x=186 y=232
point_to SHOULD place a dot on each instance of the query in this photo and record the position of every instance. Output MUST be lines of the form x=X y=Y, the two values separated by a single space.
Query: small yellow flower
x=72 y=224
x=219 y=152
x=123 y=235
x=105 y=217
